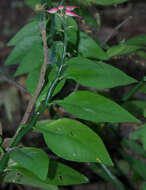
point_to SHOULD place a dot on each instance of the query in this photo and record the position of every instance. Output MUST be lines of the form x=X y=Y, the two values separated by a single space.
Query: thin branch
x=76 y=87
x=19 y=187
x=114 y=31
x=13 y=82
x=41 y=79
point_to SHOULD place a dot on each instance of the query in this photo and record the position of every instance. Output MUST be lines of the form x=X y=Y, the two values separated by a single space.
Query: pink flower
x=68 y=10
x=69 y=13
x=53 y=10
x=61 y=7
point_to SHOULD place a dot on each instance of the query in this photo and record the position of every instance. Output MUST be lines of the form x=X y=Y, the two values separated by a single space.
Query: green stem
x=113 y=178
x=55 y=82
x=3 y=162
x=133 y=91
x=61 y=3
x=24 y=130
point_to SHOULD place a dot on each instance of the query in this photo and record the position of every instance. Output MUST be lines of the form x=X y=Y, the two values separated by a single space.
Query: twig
x=13 y=82
x=22 y=131
x=115 y=30
x=76 y=87
x=133 y=90
x=41 y=79
x=19 y=187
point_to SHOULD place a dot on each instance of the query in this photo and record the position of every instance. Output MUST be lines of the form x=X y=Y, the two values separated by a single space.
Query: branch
x=41 y=79
x=13 y=82
x=115 y=30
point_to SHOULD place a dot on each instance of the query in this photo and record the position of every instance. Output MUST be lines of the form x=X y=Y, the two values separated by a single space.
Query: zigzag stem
x=24 y=130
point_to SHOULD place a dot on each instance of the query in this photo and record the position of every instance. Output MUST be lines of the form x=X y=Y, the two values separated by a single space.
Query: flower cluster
x=67 y=10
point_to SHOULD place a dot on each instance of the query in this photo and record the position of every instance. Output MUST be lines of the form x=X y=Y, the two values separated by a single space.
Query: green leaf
x=42 y=123
x=33 y=159
x=109 y=2
x=22 y=176
x=142 y=88
x=124 y=166
x=29 y=30
x=31 y=61
x=141 y=54
x=143 y=186
x=134 y=146
x=22 y=48
x=72 y=29
x=140 y=134
x=32 y=80
x=74 y=138
x=94 y=107
x=136 y=107
x=101 y=2
x=95 y=74
x=91 y=19
x=60 y=174
x=137 y=165
x=32 y=3
x=122 y=49
x=138 y=40
x=90 y=49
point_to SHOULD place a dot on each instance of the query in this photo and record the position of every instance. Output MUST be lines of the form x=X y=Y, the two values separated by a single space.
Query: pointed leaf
x=60 y=174
x=137 y=40
x=95 y=74
x=90 y=49
x=30 y=29
x=77 y=142
x=94 y=107
x=22 y=48
x=32 y=159
x=31 y=61
x=122 y=49
x=22 y=176
x=136 y=107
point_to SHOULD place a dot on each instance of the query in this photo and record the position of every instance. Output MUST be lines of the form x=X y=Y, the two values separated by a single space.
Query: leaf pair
x=33 y=167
